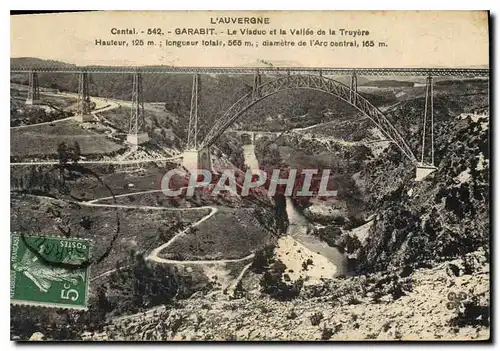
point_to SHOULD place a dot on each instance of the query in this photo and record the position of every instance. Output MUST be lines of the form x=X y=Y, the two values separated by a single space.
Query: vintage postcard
x=250 y=176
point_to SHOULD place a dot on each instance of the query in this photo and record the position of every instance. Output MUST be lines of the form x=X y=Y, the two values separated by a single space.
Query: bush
x=262 y=259
x=142 y=285
x=326 y=333
x=306 y=264
x=348 y=243
x=330 y=234
x=316 y=318
x=273 y=283
x=472 y=314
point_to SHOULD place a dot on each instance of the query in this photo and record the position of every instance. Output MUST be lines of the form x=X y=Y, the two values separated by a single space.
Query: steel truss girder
x=436 y=72
x=257 y=82
x=314 y=82
x=429 y=104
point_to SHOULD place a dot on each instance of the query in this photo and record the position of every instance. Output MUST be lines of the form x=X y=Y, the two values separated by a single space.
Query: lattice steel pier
x=33 y=90
x=137 y=134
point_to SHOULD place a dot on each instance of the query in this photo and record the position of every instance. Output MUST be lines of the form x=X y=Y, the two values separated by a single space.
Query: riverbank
x=306 y=256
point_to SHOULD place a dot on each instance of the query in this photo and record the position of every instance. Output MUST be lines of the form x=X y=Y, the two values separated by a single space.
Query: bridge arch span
x=311 y=82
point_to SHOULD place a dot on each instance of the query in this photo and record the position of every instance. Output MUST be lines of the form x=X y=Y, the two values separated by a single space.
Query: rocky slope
x=445 y=216
x=400 y=304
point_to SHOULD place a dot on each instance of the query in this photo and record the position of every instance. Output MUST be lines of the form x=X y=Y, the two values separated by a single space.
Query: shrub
x=273 y=283
x=262 y=259
x=330 y=234
x=142 y=285
x=326 y=333
x=348 y=243
x=307 y=263
x=472 y=314
x=316 y=318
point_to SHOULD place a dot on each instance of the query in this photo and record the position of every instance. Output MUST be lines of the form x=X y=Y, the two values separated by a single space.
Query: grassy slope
x=43 y=140
x=231 y=233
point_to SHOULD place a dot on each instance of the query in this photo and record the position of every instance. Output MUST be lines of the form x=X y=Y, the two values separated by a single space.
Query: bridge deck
x=435 y=72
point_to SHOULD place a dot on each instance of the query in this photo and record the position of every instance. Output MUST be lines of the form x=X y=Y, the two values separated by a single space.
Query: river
x=298 y=224
x=250 y=159
x=298 y=229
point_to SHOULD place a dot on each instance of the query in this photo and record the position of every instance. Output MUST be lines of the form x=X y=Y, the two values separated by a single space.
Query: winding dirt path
x=43 y=123
x=105 y=162
x=154 y=254
x=106 y=106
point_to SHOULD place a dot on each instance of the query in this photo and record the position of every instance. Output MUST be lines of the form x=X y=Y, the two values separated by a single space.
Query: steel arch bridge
x=311 y=82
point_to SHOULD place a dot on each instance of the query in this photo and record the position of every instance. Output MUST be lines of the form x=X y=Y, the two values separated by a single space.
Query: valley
x=230 y=267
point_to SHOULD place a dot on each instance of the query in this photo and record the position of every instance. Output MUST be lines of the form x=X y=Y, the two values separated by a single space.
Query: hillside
x=449 y=102
x=33 y=62
x=443 y=217
x=387 y=83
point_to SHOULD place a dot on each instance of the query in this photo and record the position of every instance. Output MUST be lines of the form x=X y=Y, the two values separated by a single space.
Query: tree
x=63 y=153
x=63 y=156
x=272 y=283
x=262 y=259
x=76 y=152
x=142 y=285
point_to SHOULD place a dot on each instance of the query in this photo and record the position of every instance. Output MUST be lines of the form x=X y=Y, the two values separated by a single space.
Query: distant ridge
x=388 y=83
x=36 y=62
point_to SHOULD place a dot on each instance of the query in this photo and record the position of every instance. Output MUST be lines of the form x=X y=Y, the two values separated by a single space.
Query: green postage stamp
x=49 y=271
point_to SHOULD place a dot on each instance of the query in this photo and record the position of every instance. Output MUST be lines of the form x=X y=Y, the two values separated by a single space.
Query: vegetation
x=449 y=214
x=141 y=285
x=210 y=239
x=68 y=153
x=326 y=333
x=316 y=318
x=21 y=115
x=263 y=259
x=42 y=141
x=274 y=284
x=268 y=154
x=132 y=288
x=36 y=179
x=415 y=224
x=232 y=147
x=388 y=83
x=472 y=313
